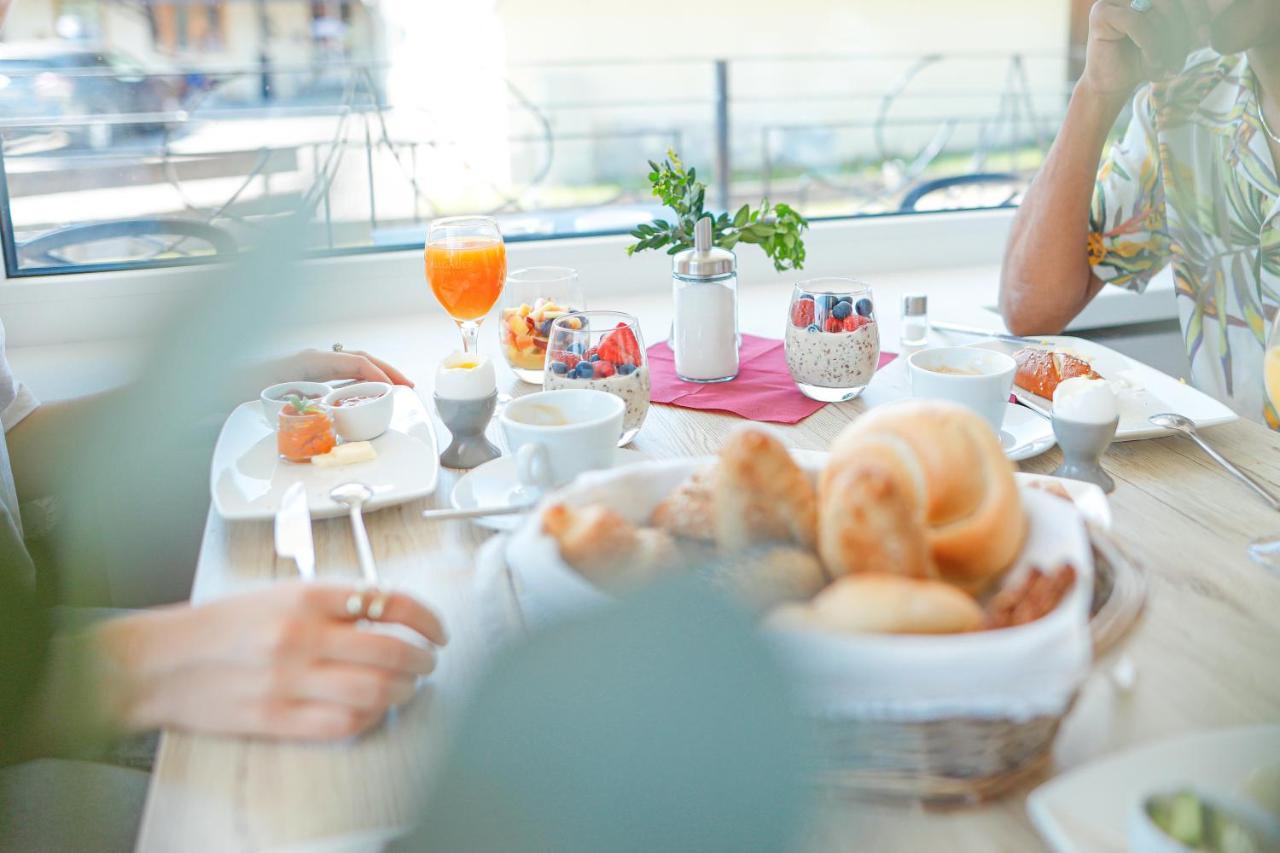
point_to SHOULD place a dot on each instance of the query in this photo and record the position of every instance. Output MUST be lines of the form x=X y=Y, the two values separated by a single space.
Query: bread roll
x=607 y=549
x=883 y=604
x=920 y=489
x=760 y=494
x=686 y=512
x=769 y=576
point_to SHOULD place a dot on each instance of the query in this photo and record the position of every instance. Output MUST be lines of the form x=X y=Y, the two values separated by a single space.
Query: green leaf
x=740 y=218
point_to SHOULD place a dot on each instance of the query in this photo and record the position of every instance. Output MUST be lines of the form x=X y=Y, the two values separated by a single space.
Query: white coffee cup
x=977 y=378
x=557 y=435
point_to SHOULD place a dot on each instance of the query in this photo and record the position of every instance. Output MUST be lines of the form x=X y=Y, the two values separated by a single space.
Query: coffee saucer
x=494 y=484
x=1025 y=434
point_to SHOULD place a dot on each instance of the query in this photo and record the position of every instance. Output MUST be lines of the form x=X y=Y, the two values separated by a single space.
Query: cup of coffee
x=557 y=435
x=977 y=378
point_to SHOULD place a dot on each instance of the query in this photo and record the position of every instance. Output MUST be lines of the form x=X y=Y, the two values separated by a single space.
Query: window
x=168 y=131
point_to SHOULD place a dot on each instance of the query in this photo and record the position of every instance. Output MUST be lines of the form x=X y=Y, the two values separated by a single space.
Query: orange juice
x=467 y=275
x=1271 y=375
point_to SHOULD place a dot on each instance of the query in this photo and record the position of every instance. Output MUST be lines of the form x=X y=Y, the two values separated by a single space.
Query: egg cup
x=1082 y=446
x=466 y=421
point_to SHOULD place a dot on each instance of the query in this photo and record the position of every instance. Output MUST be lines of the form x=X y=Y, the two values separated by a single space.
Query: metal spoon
x=478 y=512
x=1187 y=427
x=353 y=496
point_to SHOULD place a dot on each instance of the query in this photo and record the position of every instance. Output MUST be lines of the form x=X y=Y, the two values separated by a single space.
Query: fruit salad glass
x=533 y=298
x=601 y=350
x=832 y=339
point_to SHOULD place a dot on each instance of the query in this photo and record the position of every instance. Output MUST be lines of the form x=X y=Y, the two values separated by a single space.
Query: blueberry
x=864 y=307
x=584 y=370
x=625 y=369
x=545 y=328
x=824 y=303
x=595 y=356
x=559 y=368
x=843 y=309
x=814 y=327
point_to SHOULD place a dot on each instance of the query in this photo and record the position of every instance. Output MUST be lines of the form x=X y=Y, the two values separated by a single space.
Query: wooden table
x=1204 y=653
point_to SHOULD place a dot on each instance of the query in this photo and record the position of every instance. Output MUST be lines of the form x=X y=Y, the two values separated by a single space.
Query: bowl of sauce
x=362 y=410
x=273 y=397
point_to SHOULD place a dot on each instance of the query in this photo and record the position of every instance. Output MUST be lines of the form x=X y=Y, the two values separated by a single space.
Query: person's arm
x=286 y=662
x=1047 y=279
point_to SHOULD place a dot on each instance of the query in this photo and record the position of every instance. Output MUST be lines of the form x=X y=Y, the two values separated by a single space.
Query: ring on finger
x=338 y=347
x=366 y=603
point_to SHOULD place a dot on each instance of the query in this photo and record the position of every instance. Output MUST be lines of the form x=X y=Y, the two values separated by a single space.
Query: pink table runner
x=763 y=390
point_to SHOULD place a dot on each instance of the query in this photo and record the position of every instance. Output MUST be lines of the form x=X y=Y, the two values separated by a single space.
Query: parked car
x=44 y=81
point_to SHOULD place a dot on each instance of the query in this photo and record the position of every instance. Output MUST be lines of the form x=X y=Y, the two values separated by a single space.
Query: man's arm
x=1046 y=280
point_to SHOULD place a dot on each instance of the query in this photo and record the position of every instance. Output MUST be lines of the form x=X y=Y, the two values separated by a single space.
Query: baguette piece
x=883 y=604
x=1040 y=371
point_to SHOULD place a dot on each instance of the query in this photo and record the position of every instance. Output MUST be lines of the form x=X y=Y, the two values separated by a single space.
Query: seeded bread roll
x=1041 y=371
x=883 y=604
x=920 y=489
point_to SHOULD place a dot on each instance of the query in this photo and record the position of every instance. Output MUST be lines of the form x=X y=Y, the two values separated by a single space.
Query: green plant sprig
x=777 y=229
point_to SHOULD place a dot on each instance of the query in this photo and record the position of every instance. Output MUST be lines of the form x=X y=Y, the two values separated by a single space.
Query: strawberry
x=603 y=369
x=591 y=351
x=620 y=346
x=855 y=322
x=802 y=313
x=570 y=360
x=833 y=325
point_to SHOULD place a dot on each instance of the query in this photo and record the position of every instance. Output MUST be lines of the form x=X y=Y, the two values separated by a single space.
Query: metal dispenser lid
x=915 y=305
x=704 y=260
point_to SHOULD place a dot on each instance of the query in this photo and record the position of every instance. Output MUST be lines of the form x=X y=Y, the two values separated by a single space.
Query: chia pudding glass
x=832 y=339
x=601 y=350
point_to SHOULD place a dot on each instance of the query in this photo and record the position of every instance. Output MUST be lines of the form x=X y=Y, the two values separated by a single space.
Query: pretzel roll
x=920 y=489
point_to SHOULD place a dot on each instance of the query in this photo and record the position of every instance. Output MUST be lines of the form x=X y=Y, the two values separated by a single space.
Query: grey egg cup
x=1082 y=447
x=466 y=421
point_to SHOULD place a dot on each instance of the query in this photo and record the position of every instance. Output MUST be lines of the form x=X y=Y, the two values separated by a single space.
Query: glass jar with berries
x=533 y=298
x=304 y=429
x=602 y=350
x=832 y=339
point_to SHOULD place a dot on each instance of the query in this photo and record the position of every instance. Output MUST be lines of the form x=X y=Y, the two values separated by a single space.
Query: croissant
x=1040 y=371
x=760 y=494
x=607 y=549
x=920 y=489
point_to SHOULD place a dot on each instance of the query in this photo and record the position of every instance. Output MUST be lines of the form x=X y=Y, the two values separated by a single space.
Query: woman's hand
x=287 y=662
x=326 y=365
x=1127 y=46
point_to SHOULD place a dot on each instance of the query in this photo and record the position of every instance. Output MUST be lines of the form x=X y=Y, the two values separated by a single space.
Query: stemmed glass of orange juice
x=1266 y=551
x=466 y=264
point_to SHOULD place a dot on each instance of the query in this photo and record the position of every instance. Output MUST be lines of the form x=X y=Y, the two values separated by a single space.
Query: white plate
x=1088 y=808
x=248 y=477
x=1088 y=498
x=1025 y=434
x=494 y=484
x=1145 y=390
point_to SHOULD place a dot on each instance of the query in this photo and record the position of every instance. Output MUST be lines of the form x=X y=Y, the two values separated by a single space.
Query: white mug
x=977 y=378
x=557 y=435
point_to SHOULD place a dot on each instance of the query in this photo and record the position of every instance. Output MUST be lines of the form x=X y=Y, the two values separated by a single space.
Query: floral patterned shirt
x=1192 y=183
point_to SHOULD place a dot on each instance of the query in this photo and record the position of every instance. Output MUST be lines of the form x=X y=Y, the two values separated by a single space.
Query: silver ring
x=338 y=347
x=1140 y=5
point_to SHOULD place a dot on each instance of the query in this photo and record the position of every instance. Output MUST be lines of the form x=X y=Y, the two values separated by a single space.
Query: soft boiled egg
x=1086 y=400
x=465 y=376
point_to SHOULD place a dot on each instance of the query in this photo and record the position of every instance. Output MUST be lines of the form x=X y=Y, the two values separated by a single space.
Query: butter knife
x=293 y=531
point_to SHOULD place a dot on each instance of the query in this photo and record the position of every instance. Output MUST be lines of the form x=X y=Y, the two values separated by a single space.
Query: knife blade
x=293 y=531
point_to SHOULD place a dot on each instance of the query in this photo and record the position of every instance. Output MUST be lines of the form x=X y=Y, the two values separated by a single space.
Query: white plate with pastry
x=891 y=578
x=1141 y=391
x=248 y=477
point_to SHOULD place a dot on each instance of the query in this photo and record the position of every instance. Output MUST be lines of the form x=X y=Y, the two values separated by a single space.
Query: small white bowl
x=366 y=419
x=1146 y=836
x=272 y=397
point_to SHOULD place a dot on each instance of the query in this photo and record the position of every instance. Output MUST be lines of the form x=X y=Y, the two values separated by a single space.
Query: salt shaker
x=704 y=335
x=915 y=321
x=1085 y=417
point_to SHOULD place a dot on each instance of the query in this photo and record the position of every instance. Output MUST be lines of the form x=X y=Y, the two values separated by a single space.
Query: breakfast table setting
x=1023 y=605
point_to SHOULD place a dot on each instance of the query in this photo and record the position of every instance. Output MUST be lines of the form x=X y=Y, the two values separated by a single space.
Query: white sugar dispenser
x=704 y=334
